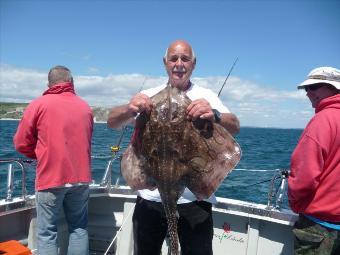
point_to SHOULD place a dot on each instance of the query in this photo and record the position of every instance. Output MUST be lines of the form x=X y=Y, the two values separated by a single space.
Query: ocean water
x=265 y=151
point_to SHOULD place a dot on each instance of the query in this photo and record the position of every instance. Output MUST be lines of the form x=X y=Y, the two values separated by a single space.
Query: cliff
x=15 y=111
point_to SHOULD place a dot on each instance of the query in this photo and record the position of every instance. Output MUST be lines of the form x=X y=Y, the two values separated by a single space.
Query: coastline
x=9 y=119
x=104 y=122
x=96 y=121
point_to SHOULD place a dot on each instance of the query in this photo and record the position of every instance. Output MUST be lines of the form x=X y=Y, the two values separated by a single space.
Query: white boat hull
x=240 y=228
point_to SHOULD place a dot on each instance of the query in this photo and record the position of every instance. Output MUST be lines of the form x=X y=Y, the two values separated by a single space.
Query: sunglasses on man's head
x=313 y=87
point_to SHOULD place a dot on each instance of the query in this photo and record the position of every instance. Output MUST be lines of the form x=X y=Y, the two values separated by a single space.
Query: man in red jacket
x=56 y=129
x=314 y=181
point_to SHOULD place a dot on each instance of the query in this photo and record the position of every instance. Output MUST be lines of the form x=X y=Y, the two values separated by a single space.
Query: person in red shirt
x=56 y=130
x=314 y=181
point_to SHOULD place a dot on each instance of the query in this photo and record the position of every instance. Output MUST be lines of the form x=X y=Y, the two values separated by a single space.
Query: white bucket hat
x=329 y=75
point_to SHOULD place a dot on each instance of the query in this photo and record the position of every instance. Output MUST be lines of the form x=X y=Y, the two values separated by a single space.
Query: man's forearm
x=230 y=122
x=119 y=116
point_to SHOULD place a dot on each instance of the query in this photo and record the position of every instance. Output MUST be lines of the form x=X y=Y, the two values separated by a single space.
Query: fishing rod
x=106 y=180
x=225 y=81
x=116 y=147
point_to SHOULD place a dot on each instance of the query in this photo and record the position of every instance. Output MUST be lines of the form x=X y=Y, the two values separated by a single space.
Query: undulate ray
x=169 y=152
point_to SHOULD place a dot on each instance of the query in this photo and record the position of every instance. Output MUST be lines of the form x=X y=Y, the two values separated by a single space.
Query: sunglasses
x=313 y=87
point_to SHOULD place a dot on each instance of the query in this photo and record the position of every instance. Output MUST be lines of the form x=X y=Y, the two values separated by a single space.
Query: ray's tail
x=170 y=208
x=172 y=227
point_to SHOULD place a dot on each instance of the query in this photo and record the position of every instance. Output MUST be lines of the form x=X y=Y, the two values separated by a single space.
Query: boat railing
x=276 y=193
x=107 y=177
x=21 y=162
x=105 y=182
x=277 y=188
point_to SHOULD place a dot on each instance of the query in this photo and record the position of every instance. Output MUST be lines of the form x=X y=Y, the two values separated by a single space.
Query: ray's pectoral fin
x=210 y=170
x=133 y=172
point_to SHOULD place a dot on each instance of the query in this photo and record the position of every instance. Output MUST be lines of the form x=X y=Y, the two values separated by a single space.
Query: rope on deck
x=120 y=229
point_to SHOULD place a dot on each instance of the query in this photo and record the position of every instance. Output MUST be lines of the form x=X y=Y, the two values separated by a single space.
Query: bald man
x=195 y=225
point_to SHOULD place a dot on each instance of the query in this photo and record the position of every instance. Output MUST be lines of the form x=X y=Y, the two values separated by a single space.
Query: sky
x=113 y=47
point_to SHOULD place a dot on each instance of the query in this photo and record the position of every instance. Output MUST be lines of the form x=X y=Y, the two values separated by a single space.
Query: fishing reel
x=115 y=149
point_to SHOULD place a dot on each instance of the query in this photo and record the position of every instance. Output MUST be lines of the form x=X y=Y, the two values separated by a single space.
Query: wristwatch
x=217 y=115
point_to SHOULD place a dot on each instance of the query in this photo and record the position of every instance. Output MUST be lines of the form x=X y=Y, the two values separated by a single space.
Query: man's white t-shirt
x=194 y=92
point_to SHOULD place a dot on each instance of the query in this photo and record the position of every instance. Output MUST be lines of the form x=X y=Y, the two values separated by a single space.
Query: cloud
x=254 y=104
x=19 y=84
x=93 y=70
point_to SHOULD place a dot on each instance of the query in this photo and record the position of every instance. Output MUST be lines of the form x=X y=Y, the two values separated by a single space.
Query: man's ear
x=164 y=61
x=194 y=63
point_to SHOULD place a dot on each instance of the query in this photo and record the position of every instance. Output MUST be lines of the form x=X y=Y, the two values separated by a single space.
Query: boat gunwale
x=226 y=205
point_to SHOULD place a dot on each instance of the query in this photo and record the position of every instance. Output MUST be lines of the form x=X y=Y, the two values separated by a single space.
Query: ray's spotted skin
x=170 y=152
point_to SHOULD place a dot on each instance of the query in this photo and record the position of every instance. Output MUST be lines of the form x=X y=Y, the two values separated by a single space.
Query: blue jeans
x=49 y=202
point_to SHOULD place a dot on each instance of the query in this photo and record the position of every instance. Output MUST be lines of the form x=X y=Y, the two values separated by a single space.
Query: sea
x=265 y=153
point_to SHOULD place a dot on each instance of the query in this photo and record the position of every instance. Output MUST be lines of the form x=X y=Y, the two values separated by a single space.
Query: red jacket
x=56 y=129
x=314 y=182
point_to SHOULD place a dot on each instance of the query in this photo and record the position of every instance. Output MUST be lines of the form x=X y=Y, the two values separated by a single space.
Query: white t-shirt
x=194 y=92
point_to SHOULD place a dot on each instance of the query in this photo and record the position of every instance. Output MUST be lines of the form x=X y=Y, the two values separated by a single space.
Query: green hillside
x=12 y=110
x=15 y=111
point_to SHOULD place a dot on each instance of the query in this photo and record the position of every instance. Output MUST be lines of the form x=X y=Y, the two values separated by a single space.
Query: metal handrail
x=277 y=193
x=282 y=175
x=20 y=162
x=9 y=182
x=282 y=189
x=106 y=180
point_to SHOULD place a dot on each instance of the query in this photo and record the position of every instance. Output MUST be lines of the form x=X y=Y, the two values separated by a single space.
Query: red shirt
x=314 y=181
x=56 y=129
